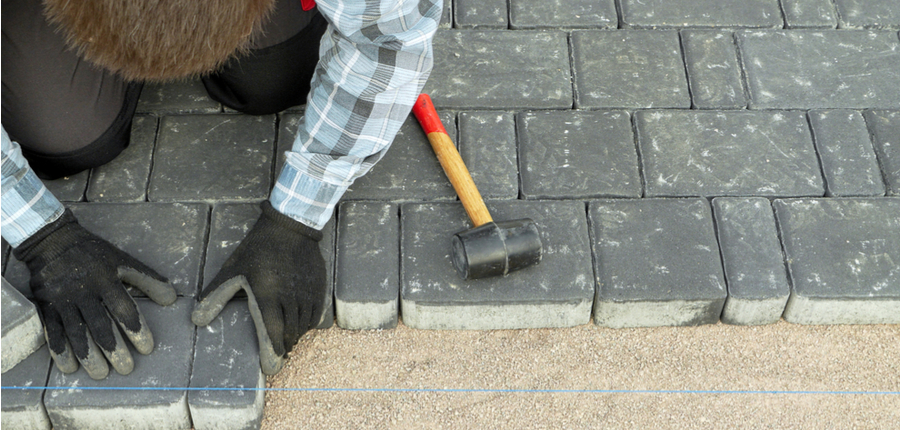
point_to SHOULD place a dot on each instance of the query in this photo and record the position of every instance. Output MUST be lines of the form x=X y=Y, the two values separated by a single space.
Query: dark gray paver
x=24 y=409
x=885 y=128
x=476 y=69
x=487 y=144
x=125 y=178
x=713 y=69
x=632 y=69
x=22 y=330
x=868 y=13
x=409 y=170
x=758 y=287
x=481 y=14
x=562 y=14
x=169 y=365
x=186 y=96
x=821 y=69
x=555 y=293
x=657 y=263
x=700 y=13
x=577 y=155
x=842 y=258
x=69 y=188
x=736 y=153
x=230 y=222
x=226 y=356
x=845 y=151
x=213 y=157
x=809 y=13
x=168 y=237
x=367 y=273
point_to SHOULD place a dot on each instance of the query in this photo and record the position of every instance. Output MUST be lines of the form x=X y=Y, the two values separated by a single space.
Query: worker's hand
x=76 y=279
x=280 y=267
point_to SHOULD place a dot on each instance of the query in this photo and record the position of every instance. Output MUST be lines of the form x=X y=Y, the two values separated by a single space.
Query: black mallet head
x=496 y=249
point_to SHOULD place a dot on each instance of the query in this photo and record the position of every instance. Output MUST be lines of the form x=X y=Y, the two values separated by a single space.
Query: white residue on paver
x=703 y=248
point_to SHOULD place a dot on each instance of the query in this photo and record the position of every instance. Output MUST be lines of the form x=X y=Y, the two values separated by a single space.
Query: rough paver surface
x=753 y=132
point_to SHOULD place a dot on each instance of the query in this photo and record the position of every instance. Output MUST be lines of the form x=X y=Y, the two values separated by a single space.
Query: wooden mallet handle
x=450 y=160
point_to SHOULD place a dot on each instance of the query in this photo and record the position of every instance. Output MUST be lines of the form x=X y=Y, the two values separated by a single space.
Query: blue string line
x=463 y=390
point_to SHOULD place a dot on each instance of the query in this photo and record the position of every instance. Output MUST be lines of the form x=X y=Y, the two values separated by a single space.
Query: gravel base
x=778 y=357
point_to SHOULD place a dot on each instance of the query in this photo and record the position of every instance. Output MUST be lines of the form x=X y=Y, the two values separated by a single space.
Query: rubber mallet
x=490 y=248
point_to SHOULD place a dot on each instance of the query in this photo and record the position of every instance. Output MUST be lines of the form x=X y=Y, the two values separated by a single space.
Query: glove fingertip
x=65 y=358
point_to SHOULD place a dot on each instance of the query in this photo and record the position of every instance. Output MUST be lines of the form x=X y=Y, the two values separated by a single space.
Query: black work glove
x=280 y=267
x=76 y=279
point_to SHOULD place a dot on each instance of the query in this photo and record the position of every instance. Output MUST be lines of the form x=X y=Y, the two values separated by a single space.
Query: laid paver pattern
x=687 y=161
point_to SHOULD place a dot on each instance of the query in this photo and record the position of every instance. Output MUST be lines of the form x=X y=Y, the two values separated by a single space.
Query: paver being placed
x=845 y=150
x=24 y=409
x=821 y=69
x=125 y=178
x=713 y=69
x=842 y=258
x=230 y=222
x=206 y=157
x=657 y=263
x=700 y=13
x=735 y=153
x=169 y=365
x=758 y=287
x=868 y=13
x=168 y=237
x=482 y=14
x=577 y=155
x=501 y=69
x=562 y=14
x=885 y=128
x=185 y=96
x=69 y=188
x=22 y=330
x=226 y=356
x=629 y=69
x=809 y=13
x=555 y=293
x=367 y=275
x=487 y=144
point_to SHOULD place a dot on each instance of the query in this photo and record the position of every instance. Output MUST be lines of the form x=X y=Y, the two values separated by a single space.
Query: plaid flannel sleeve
x=27 y=204
x=374 y=60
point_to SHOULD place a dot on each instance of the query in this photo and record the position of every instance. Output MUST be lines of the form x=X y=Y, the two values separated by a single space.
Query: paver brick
x=577 y=155
x=22 y=330
x=169 y=365
x=168 y=237
x=629 y=69
x=487 y=144
x=842 y=258
x=758 y=287
x=24 y=409
x=409 y=169
x=736 y=153
x=848 y=159
x=657 y=263
x=700 y=13
x=476 y=69
x=69 y=188
x=481 y=14
x=226 y=355
x=563 y=14
x=213 y=157
x=556 y=293
x=809 y=13
x=230 y=223
x=125 y=178
x=184 y=96
x=868 y=13
x=885 y=128
x=713 y=69
x=367 y=274
x=821 y=69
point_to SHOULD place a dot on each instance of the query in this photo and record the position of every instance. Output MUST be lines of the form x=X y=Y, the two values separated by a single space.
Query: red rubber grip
x=427 y=116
